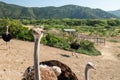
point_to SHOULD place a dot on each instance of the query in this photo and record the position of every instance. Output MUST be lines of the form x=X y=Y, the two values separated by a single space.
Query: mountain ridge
x=66 y=11
x=115 y=12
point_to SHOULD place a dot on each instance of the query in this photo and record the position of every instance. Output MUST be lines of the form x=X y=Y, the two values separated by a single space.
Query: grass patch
x=92 y=52
x=113 y=40
x=118 y=55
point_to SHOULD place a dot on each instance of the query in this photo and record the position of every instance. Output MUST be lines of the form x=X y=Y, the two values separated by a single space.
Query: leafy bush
x=16 y=29
x=44 y=41
x=52 y=40
x=85 y=44
x=55 y=41
x=87 y=47
x=20 y=32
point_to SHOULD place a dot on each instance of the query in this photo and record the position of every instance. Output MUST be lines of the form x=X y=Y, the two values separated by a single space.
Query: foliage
x=99 y=28
x=113 y=40
x=16 y=29
x=87 y=47
x=55 y=41
x=96 y=22
x=85 y=44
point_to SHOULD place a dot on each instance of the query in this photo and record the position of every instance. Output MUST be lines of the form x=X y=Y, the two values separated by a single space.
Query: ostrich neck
x=36 y=58
x=7 y=31
x=86 y=73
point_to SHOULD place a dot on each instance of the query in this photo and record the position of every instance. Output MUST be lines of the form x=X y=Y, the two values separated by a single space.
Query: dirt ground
x=15 y=60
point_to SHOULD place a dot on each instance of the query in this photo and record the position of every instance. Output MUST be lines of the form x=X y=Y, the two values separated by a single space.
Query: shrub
x=16 y=29
x=44 y=41
x=51 y=40
x=85 y=44
x=20 y=32
x=87 y=47
x=55 y=41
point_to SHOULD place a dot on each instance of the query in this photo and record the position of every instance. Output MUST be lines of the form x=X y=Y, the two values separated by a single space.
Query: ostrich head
x=90 y=65
x=38 y=32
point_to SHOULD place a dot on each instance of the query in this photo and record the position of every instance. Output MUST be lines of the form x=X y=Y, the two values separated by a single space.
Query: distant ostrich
x=6 y=36
x=74 y=46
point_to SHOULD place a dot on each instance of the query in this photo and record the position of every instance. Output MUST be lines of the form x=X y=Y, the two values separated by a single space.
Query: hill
x=67 y=11
x=116 y=12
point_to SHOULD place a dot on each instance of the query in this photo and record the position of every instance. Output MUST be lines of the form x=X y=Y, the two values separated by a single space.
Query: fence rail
x=96 y=40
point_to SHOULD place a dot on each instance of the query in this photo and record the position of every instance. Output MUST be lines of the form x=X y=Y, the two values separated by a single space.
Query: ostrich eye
x=34 y=32
x=42 y=31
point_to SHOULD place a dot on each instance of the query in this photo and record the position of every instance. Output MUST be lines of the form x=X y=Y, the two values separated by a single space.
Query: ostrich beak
x=91 y=65
x=43 y=31
x=94 y=68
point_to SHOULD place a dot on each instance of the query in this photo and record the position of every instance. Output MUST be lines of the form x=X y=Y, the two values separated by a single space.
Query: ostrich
x=74 y=46
x=61 y=70
x=65 y=73
x=6 y=36
x=38 y=72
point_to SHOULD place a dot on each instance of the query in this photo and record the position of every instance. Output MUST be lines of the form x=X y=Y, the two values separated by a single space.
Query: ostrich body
x=74 y=46
x=47 y=73
x=66 y=72
x=6 y=36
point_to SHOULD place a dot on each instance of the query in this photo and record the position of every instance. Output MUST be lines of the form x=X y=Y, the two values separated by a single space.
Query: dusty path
x=13 y=62
x=110 y=50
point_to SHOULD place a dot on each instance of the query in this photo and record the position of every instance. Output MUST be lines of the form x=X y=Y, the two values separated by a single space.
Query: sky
x=107 y=5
